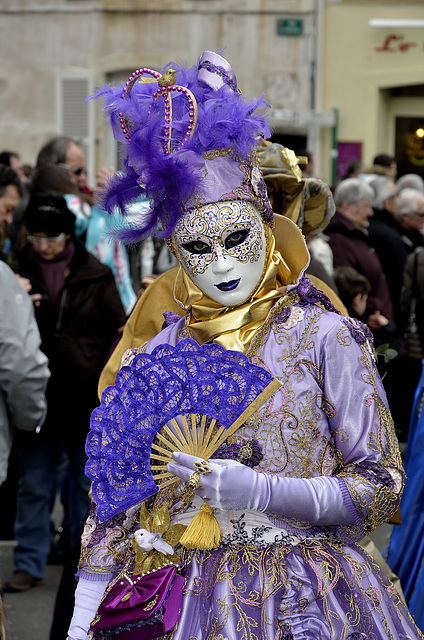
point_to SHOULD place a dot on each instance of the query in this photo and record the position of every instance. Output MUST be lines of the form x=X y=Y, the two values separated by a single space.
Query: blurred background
x=344 y=78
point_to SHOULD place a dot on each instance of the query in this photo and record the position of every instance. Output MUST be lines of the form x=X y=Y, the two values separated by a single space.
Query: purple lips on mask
x=228 y=286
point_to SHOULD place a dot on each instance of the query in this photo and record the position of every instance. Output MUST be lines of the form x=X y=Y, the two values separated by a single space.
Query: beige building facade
x=374 y=77
x=56 y=52
x=313 y=59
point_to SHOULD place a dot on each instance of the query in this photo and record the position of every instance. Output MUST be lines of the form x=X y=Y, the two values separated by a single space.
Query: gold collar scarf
x=235 y=327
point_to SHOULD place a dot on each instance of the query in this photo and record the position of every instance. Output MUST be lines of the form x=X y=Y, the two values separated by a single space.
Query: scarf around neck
x=54 y=271
x=233 y=327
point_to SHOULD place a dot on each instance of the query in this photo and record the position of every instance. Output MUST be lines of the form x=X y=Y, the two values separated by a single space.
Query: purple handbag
x=141 y=606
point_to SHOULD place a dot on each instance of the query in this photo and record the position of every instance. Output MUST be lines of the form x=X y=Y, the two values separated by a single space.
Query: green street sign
x=289 y=26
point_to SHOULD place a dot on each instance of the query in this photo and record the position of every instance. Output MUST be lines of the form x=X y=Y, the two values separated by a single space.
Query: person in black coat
x=410 y=218
x=79 y=315
x=384 y=237
x=348 y=238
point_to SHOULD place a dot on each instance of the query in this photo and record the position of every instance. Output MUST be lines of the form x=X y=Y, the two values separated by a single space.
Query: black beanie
x=48 y=213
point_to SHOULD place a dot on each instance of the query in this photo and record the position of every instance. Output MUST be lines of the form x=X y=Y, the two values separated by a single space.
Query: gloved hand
x=234 y=486
x=230 y=486
x=87 y=599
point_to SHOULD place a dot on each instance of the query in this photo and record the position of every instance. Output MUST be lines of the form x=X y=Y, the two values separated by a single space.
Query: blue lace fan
x=188 y=398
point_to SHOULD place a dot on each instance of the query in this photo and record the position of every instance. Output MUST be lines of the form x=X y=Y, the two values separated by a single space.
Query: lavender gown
x=276 y=578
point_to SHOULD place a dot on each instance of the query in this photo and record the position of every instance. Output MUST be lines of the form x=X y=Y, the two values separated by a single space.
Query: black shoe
x=21 y=581
x=59 y=548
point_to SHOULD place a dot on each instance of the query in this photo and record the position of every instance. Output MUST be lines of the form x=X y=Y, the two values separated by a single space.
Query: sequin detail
x=248 y=452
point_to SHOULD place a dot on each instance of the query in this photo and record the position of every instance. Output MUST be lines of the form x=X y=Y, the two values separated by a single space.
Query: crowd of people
x=236 y=274
x=79 y=315
x=377 y=230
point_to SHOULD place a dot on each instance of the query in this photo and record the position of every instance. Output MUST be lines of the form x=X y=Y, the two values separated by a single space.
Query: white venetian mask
x=222 y=247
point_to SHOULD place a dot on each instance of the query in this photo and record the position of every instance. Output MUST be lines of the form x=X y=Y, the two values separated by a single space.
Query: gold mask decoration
x=234 y=327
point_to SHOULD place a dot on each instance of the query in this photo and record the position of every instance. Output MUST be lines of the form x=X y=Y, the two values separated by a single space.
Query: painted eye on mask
x=236 y=238
x=197 y=246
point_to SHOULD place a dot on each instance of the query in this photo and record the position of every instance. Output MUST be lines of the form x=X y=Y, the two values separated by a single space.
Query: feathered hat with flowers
x=189 y=138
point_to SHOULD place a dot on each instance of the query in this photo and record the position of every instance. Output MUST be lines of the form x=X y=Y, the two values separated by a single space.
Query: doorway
x=406 y=127
x=409 y=145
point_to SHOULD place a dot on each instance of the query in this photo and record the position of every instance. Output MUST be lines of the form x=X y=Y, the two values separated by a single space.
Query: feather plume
x=226 y=120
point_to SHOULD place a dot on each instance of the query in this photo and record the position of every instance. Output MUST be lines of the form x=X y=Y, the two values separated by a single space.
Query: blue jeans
x=38 y=463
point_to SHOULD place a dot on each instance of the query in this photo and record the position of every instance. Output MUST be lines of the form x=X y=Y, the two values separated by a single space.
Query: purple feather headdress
x=188 y=139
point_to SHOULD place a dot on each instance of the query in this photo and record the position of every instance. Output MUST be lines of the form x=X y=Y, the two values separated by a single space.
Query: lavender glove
x=233 y=486
x=87 y=599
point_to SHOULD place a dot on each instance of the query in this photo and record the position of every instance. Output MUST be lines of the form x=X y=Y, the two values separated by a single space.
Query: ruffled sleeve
x=104 y=544
x=370 y=471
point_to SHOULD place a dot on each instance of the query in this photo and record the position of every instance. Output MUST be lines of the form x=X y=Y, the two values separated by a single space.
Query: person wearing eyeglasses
x=410 y=218
x=75 y=171
x=79 y=315
x=68 y=154
x=62 y=154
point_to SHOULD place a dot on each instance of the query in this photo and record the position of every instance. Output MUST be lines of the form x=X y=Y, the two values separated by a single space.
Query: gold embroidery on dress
x=294 y=427
x=287 y=427
x=151 y=604
x=330 y=563
x=377 y=504
x=290 y=434
x=260 y=336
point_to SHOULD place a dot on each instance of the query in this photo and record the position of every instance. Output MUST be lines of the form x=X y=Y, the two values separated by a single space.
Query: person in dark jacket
x=353 y=290
x=79 y=315
x=348 y=233
x=23 y=367
x=410 y=218
x=385 y=238
x=10 y=194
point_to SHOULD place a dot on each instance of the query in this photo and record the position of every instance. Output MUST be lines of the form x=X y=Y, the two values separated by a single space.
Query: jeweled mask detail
x=222 y=247
x=189 y=138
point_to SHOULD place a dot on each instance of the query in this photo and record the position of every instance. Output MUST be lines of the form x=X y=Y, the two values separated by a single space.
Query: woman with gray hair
x=410 y=218
x=348 y=233
x=385 y=238
x=352 y=190
x=410 y=181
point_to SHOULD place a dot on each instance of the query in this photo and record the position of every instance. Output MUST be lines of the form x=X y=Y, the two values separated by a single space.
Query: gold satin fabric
x=289 y=192
x=146 y=320
x=234 y=327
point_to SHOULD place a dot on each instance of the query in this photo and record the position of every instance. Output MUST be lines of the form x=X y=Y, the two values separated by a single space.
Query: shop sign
x=305 y=117
x=395 y=42
x=289 y=26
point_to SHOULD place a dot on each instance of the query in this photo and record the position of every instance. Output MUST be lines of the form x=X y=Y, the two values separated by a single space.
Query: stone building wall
x=52 y=51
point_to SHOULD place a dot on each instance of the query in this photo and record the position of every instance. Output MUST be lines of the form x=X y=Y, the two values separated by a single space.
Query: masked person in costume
x=306 y=201
x=253 y=534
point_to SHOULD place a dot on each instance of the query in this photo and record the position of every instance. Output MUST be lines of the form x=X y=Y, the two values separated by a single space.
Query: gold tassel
x=203 y=532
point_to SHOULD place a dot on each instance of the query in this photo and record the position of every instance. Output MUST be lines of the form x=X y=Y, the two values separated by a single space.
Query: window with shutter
x=74 y=117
